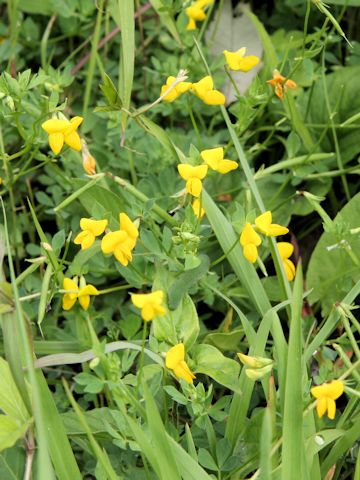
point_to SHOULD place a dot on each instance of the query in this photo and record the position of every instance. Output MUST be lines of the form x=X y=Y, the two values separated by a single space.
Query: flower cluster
x=250 y=240
x=196 y=12
x=213 y=158
x=203 y=89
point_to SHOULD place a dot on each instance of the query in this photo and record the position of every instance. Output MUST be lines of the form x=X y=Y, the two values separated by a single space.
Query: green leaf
x=111 y=94
x=11 y=401
x=11 y=430
x=210 y=361
x=331 y=271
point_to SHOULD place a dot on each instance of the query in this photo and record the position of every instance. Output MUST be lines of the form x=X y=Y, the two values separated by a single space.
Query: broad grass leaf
x=12 y=463
x=210 y=361
x=231 y=34
x=11 y=430
x=331 y=272
x=11 y=402
x=342 y=83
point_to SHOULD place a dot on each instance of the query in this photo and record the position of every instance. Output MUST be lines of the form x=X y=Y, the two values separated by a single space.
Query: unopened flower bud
x=94 y=363
x=46 y=246
x=89 y=162
x=256 y=374
x=254 y=362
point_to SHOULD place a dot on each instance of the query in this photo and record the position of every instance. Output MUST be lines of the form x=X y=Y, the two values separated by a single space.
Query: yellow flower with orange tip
x=326 y=394
x=250 y=240
x=196 y=13
x=214 y=157
x=62 y=131
x=180 y=88
x=193 y=177
x=75 y=293
x=90 y=230
x=280 y=84
x=150 y=304
x=239 y=61
x=264 y=225
x=89 y=162
x=198 y=210
x=286 y=249
x=204 y=89
x=121 y=242
x=175 y=361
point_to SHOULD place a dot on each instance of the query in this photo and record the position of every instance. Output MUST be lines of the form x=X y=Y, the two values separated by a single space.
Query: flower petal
x=213 y=157
x=73 y=140
x=249 y=236
x=68 y=301
x=55 y=125
x=226 y=166
x=56 y=142
x=84 y=301
x=250 y=252
x=96 y=227
x=175 y=355
x=321 y=406
x=111 y=240
x=263 y=222
x=214 y=97
x=194 y=186
x=286 y=249
x=336 y=389
x=331 y=408
x=127 y=225
x=183 y=371
x=148 y=312
x=289 y=268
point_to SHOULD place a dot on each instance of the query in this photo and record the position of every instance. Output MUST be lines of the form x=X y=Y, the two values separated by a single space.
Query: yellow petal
x=317 y=391
x=147 y=312
x=123 y=254
x=73 y=140
x=80 y=237
x=247 y=63
x=56 y=142
x=286 y=249
x=213 y=157
x=87 y=241
x=175 y=355
x=226 y=166
x=275 y=230
x=84 y=301
x=139 y=299
x=96 y=227
x=204 y=85
x=321 y=406
x=54 y=125
x=194 y=186
x=127 y=225
x=249 y=236
x=191 y=24
x=170 y=96
x=195 y=13
x=111 y=240
x=289 y=268
x=88 y=290
x=196 y=208
x=214 y=98
x=68 y=301
x=183 y=87
x=331 y=408
x=187 y=171
x=263 y=222
x=232 y=59
x=160 y=310
x=183 y=371
x=69 y=284
x=250 y=252
x=336 y=389
x=76 y=121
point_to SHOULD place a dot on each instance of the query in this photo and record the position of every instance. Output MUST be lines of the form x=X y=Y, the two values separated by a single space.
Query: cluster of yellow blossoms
x=193 y=175
x=203 y=89
x=250 y=240
x=73 y=293
x=63 y=131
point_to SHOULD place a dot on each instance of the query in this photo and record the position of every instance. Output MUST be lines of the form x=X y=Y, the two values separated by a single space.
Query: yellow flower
x=63 y=131
x=90 y=230
x=82 y=294
x=238 y=61
x=193 y=177
x=250 y=240
x=175 y=361
x=196 y=209
x=214 y=157
x=280 y=84
x=204 y=89
x=264 y=225
x=121 y=242
x=180 y=88
x=196 y=13
x=326 y=394
x=286 y=249
x=150 y=304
